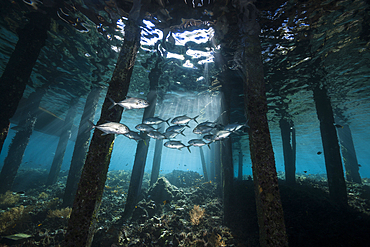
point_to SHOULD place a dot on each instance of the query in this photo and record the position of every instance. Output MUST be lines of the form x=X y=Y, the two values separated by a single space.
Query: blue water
x=189 y=82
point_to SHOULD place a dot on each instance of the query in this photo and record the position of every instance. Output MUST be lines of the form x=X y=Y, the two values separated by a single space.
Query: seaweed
x=63 y=213
x=8 y=198
x=196 y=215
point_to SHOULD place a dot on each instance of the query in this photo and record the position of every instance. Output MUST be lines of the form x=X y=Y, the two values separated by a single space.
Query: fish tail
x=167 y=121
x=182 y=132
x=188 y=147
x=92 y=125
x=246 y=124
x=113 y=103
x=186 y=125
x=209 y=145
x=195 y=119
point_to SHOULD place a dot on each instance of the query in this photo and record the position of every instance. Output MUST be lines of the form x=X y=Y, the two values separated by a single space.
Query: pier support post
x=19 y=68
x=82 y=224
x=20 y=141
x=81 y=147
x=349 y=154
x=289 y=149
x=62 y=144
x=333 y=161
x=269 y=208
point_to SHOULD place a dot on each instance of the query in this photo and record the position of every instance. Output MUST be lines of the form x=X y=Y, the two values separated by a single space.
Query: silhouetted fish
x=319 y=152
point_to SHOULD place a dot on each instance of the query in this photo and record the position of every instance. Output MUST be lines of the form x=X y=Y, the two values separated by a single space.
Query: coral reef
x=11 y=217
x=43 y=195
x=63 y=213
x=30 y=178
x=8 y=199
x=183 y=179
x=191 y=214
x=163 y=190
x=196 y=214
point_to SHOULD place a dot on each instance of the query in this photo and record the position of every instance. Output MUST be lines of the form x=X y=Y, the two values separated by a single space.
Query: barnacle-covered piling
x=20 y=141
x=81 y=147
x=269 y=209
x=349 y=154
x=18 y=70
x=157 y=158
x=81 y=226
x=139 y=163
x=204 y=166
x=289 y=149
x=62 y=144
x=333 y=160
x=142 y=147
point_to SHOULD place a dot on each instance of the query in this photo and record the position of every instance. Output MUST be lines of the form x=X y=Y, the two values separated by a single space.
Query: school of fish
x=211 y=131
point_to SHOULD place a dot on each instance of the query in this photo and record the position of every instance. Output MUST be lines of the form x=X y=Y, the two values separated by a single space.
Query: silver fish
x=156 y=135
x=176 y=145
x=198 y=143
x=176 y=128
x=130 y=103
x=208 y=138
x=112 y=128
x=133 y=135
x=155 y=120
x=234 y=127
x=202 y=129
x=172 y=134
x=183 y=119
x=207 y=123
x=221 y=134
x=144 y=127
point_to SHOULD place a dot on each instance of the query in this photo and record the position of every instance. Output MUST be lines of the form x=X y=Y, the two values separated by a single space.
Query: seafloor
x=184 y=210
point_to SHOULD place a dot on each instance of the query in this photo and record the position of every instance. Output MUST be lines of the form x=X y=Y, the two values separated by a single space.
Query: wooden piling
x=333 y=161
x=349 y=154
x=81 y=147
x=20 y=141
x=82 y=224
x=269 y=208
x=288 y=139
x=19 y=68
x=62 y=144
